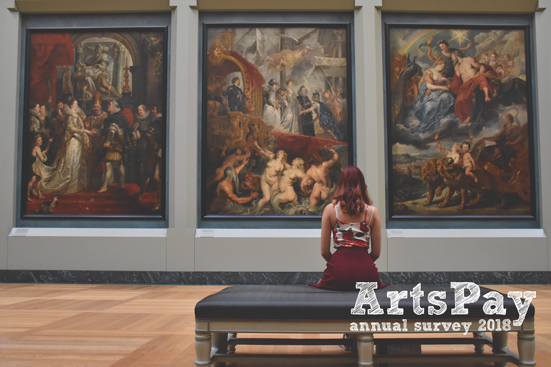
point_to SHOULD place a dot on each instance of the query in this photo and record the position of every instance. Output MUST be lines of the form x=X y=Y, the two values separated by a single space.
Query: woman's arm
x=428 y=79
x=72 y=126
x=308 y=110
x=240 y=167
x=466 y=48
x=376 y=235
x=429 y=52
x=330 y=99
x=326 y=232
x=441 y=147
x=264 y=152
x=307 y=180
x=333 y=160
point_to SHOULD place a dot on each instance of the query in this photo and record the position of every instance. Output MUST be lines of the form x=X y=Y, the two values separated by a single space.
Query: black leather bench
x=303 y=309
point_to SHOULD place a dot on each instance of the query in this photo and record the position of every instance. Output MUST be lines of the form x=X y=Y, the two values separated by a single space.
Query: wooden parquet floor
x=61 y=325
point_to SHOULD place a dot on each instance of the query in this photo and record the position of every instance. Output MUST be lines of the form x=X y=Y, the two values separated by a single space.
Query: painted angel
x=287 y=59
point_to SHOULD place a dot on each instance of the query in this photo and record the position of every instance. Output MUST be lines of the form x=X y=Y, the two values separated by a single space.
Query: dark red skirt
x=347 y=266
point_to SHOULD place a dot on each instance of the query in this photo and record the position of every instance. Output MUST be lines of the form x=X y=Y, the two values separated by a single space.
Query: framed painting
x=460 y=118
x=94 y=124
x=276 y=118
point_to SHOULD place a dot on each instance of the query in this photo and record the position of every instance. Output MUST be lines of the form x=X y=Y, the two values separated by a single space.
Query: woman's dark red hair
x=351 y=191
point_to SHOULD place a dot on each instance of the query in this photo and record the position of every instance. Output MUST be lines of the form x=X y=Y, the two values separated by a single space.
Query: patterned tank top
x=352 y=234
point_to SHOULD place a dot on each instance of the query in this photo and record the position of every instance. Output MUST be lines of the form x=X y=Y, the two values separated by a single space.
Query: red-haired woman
x=355 y=225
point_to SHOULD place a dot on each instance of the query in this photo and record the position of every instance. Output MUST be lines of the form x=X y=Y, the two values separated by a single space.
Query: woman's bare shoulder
x=329 y=208
x=329 y=211
x=375 y=211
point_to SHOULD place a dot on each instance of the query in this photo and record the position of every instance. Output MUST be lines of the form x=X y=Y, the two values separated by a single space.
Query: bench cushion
x=306 y=303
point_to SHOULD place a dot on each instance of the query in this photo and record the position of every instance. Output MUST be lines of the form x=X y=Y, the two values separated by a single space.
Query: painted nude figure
x=229 y=161
x=286 y=59
x=469 y=75
x=468 y=161
x=286 y=192
x=39 y=154
x=319 y=174
x=269 y=181
x=454 y=151
x=225 y=191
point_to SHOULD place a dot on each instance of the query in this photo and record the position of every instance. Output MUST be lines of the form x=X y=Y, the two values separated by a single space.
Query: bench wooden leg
x=219 y=345
x=354 y=341
x=202 y=349
x=526 y=348
x=499 y=341
x=479 y=348
x=231 y=348
x=365 y=350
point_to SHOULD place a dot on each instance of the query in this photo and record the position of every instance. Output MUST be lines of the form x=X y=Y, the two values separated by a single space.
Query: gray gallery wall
x=183 y=247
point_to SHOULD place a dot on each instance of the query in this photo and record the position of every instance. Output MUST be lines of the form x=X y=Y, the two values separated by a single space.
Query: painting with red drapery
x=94 y=127
x=303 y=145
x=276 y=119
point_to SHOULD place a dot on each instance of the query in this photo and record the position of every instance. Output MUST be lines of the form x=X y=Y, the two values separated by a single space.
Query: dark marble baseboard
x=230 y=278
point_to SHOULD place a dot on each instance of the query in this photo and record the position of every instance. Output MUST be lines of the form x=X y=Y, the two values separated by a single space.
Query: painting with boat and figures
x=459 y=122
x=94 y=128
x=276 y=119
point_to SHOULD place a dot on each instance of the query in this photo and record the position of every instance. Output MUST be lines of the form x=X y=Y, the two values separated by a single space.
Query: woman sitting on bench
x=355 y=225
